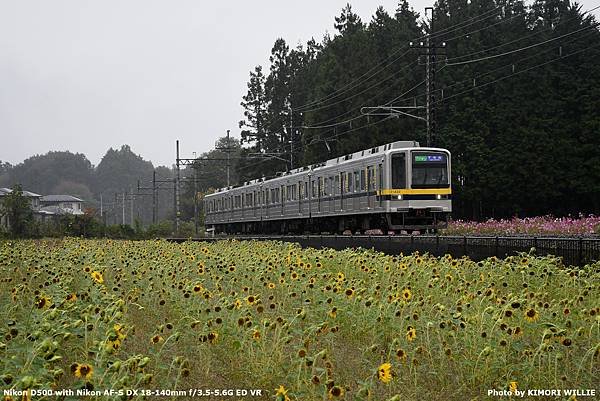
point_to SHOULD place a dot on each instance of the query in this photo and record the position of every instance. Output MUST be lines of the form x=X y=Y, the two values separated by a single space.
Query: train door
x=306 y=196
x=320 y=193
x=282 y=192
x=342 y=189
x=370 y=186
x=380 y=182
x=356 y=197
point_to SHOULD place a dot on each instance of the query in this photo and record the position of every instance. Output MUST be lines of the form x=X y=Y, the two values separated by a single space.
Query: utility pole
x=291 y=138
x=131 y=206
x=101 y=210
x=195 y=195
x=177 y=179
x=123 y=203
x=154 y=197
x=430 y=52
x=228 y=158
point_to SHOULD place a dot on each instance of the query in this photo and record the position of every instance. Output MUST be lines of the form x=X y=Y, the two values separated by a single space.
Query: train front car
x=419 y=193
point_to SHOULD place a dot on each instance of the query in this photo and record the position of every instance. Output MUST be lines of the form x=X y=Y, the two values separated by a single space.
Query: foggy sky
x=84 y=75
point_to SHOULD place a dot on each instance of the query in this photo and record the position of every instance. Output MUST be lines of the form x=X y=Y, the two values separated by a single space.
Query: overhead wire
x=516 y=73
x=522 y=48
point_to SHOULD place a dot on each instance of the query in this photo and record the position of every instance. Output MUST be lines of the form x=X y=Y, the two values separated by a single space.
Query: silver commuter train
x=394 y=187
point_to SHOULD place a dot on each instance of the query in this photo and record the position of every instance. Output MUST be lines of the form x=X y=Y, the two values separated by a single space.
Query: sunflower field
x=298 y=324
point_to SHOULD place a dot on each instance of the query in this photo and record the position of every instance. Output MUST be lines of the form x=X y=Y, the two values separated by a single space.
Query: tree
x=42 y=173
x=255 y=110
x=348 y=22
x=16 y=208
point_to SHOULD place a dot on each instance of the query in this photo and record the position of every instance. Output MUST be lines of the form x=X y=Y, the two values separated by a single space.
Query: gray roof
x=6 y=191
x=60 y=198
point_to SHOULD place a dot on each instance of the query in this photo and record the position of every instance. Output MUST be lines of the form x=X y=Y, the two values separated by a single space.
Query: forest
x=515 y=98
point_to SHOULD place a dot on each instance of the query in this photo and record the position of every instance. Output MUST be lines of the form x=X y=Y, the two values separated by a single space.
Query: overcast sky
x=84 y=75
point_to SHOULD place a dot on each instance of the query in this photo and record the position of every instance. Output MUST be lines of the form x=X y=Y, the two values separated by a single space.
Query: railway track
x=576 y=251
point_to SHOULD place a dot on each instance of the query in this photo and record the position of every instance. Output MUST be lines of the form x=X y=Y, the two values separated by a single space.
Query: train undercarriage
x=382 y=223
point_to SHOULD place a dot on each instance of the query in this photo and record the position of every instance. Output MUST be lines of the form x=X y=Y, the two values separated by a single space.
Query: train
x=399 y=187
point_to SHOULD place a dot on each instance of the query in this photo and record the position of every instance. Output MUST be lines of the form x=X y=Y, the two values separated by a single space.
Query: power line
x=322 y=124
x=476 y=77
x=517 y=73
x=354 y=83
x=457 y=26
x=522 y=48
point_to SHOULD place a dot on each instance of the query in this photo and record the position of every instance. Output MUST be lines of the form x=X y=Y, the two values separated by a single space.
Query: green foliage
x=45 y=173
x=159 y=230
x=16 y=209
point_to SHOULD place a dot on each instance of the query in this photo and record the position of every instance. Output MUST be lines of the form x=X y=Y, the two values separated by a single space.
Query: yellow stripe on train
x=428 y=191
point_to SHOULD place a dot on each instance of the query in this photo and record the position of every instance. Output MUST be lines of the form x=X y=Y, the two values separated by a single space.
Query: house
x=61 y=204
x=34 y=200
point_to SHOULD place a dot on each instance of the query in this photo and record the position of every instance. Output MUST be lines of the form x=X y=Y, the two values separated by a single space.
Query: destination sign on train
x=429 y=158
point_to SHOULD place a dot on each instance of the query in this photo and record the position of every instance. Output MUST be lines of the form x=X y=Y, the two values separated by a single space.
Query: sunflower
x=401 y=354
x=384 y=373
x=83 y=370
x=335 y=392
x=513 y=387
x=281 y=394
x=156 y=339
x=42 y=302
x=532 y=315
x=97 y=276
x=406 y=294
x=411 y=334
x=256 y=335
x=213 y=336
x=271 y=285
x=71 y=297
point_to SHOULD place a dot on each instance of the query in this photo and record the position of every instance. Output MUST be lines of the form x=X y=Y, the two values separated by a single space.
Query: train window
x=357 y=186
x=314 y=189
x=349 y=182
x=336 y=185
x=277 y=195
x=305 y=189
x=399 y=171
x=342 y=183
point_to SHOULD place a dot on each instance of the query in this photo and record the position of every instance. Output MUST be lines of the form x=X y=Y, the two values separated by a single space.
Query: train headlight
x=399 y=197
x=438 y=197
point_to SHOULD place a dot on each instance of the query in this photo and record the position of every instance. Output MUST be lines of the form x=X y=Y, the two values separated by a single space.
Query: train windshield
x=429 y=170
